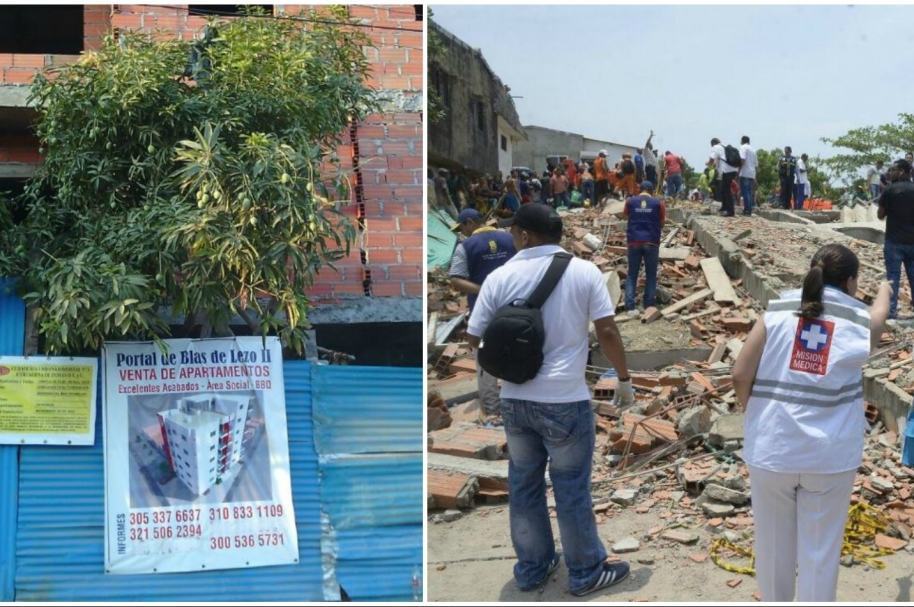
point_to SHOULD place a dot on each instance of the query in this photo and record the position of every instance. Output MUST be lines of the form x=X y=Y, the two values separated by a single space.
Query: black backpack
x=512 y=345
x=731 y=155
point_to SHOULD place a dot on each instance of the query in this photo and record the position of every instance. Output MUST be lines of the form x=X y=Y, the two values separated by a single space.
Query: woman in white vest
x=799 y=376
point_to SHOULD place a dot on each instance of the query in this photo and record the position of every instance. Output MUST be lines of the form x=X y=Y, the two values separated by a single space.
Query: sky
x=783 y=75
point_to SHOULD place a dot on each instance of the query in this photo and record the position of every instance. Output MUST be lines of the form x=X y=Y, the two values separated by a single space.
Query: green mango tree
x=190 y=179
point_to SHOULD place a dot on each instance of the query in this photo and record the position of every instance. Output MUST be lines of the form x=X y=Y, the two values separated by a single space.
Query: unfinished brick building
x=372 y=304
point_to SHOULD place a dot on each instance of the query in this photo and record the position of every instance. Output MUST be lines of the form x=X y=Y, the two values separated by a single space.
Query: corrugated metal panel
x=368 y=428
x=60 y=548
x=12 y=339
x=367 y=409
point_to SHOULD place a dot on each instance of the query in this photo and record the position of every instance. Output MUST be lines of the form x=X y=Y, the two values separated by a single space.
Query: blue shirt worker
x=646 y=215
x=484 y=250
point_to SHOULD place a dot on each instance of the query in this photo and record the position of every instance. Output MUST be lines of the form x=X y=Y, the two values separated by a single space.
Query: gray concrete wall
x=542 y=142
x=456 y=141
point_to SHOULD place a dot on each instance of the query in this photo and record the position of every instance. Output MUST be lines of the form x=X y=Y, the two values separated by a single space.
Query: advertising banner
x=47 y=401
x=196 y=456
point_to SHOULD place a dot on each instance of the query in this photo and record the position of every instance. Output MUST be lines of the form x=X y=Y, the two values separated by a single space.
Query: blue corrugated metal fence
x=368 y=434
x=52 y=499
x=12 y=339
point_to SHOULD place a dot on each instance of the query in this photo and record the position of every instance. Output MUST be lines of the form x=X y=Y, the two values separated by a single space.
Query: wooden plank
x=718 y=281
x=688 y=301
x=432 y=327
x=669 y=237
x=718 y=353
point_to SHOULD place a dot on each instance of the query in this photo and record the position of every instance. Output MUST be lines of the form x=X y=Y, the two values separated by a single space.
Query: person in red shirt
x=673 y=173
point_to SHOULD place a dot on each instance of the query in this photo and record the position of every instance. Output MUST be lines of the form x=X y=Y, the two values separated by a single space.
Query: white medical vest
x=805 y=414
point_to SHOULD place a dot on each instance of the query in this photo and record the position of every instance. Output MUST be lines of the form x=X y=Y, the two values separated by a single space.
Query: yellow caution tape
x=863 y=523
x=719 y=545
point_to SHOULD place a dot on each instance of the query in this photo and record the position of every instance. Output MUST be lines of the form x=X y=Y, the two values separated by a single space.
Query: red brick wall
x=19 y=69
x=387 y=261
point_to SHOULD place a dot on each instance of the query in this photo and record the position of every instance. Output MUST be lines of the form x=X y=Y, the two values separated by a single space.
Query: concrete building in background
x=204 y=438
x=481 y=128
x=544 y=147
x=370 y=306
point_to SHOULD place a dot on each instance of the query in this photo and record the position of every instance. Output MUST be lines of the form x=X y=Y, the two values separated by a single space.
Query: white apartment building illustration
x=203 y=437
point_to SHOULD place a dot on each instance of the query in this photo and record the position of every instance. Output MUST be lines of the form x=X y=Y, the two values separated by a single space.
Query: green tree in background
x=865 y=145
x=436 y=50
x=198 y=184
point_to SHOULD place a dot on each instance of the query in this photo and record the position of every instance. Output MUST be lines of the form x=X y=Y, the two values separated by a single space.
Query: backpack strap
x=544 y=289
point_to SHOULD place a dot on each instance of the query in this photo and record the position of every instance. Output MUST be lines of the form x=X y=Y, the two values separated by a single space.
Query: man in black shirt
x=896 y=206
x=787 y=171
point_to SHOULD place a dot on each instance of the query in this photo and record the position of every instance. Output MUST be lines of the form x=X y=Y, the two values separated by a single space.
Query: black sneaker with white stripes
x=612 y=574
x=542 y=581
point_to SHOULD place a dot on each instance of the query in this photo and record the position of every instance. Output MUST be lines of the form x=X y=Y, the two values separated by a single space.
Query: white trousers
x=489 y=396
x=799 y=528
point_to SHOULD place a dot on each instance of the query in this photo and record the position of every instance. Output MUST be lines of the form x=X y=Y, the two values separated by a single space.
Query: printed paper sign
x=47 y=401
x=811 y=346
x=196 y=456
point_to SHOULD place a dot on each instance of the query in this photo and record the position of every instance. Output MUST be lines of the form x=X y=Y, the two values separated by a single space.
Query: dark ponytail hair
x=832 y=265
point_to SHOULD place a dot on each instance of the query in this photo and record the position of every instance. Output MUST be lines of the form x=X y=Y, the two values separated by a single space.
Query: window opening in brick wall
x=224 y=9
x=418 y=9
x=41 y=29
x=479 y=116
x=442 y=86
x=504 y=143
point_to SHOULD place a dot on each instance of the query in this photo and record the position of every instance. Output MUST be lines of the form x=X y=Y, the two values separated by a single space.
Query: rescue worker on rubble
x=646 y=215
x=799 y=377
x=601 y=172
x=484 y=250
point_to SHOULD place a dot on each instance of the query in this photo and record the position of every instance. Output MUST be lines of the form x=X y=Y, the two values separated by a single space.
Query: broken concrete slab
x=624 y=497
x=628 y=544
x=448 y=490
x=675 y=253
x=489 y=473
x=458 y=389
x=727 y=428
x=469 y=440
x=719 y=493
x=680 y=535
x=694 y=421
x=614 y=286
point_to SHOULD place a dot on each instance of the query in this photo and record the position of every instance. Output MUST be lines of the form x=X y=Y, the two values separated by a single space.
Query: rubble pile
x=675 y=454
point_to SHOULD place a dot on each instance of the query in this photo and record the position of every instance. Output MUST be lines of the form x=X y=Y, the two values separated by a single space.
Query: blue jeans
x=896 y=255
x=875 y=190
x=587 y=190
x=563 y=199
x=562 y=435
x=799 y=195
x=673 y=185
x=747 y=188
x=650 y=254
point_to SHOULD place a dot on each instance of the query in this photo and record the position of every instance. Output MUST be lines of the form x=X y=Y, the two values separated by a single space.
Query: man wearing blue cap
x=646 y=215
x=484 y=250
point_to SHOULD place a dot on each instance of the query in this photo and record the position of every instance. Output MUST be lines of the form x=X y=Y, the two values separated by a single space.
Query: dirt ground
x=477 y=559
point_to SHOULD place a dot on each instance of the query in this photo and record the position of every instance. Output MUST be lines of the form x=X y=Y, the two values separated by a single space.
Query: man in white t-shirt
x=801 y=188
x=726 y=173
x=549 y=420
x=747 y=174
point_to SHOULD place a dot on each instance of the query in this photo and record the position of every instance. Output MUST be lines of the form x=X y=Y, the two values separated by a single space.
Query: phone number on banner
x=188 y=523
